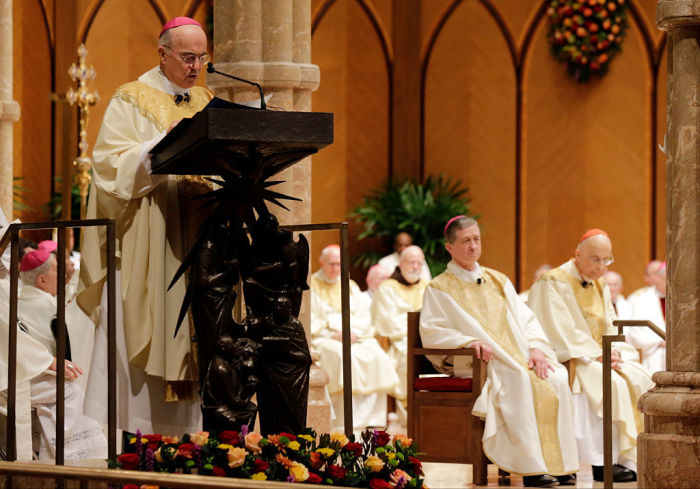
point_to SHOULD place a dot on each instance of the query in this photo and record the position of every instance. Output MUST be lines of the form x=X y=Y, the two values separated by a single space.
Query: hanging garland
x=586 y=34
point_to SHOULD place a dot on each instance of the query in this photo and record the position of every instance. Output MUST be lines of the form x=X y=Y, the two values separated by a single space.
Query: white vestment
x=154 y=365
x=575 y=317
x=390 y=262
x=390 y=307
x=622 y=308
x=373 y=374
x=36 y=388
x=527 y=420
x=646 y=304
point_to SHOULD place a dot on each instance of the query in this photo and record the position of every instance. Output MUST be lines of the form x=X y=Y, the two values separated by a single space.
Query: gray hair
x=30 y=277
x=456 y=225
x=165 y=39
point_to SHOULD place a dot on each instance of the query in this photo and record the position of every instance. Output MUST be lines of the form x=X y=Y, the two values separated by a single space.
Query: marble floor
x=454 y=476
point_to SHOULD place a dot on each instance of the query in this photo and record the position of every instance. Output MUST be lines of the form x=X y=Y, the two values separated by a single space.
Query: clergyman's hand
x=484 y=350
x=539 y=363
x=72 y=370
x=615 y=360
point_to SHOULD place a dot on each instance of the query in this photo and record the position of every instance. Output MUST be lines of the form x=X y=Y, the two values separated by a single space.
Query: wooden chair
x=439 y=409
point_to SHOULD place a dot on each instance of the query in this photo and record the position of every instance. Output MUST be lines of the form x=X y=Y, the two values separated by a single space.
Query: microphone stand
x=210 y=69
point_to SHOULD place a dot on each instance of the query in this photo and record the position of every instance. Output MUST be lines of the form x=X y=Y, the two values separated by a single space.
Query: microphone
x=584 y=283
x=210 y=69
x=478 y=281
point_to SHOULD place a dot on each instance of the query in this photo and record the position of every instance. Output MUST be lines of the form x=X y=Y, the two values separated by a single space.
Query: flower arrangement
x=586 y=34
x=378 y=461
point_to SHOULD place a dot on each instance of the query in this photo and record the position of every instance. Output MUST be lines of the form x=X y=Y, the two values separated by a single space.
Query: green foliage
x=19 y=196
x=420 y=209
x=54 y=207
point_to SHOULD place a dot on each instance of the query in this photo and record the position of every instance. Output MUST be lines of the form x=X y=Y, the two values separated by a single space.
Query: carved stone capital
x=9 y=110
x=676 y=13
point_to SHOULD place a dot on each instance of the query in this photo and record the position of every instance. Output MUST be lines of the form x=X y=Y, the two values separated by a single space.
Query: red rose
x=313 y=479
x=289 y=436
x=218 y=471
x=417 y=465
x=354 y=448
x=185 y=450
x=230 y=437
x=153 y=441
x=382 y=438
x=260 y=465
x=130 y=486
x=337 y=472
x=379 y=484
x=129 y=461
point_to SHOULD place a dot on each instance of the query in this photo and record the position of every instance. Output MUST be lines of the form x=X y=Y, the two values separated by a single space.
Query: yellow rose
x=308 y=438
x=252 y=442
x=259 y=476
x=293 y=445
x=199 y=438
x=224 y=446
x=326 y=452
x=158 y=457
x=299 y=472
x=340 y=438
x=236 y=456
x=374 y=463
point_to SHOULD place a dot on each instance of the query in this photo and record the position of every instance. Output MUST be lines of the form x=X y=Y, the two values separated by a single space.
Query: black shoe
x=620 y=473
x=567 y=480
x=543 y=480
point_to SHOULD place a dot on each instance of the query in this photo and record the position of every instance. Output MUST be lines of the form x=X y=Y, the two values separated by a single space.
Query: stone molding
x=677 y=13
x=276 y=74
x=9 y=110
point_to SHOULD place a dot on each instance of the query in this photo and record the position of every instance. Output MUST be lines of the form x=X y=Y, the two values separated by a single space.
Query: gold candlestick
x=84 y=98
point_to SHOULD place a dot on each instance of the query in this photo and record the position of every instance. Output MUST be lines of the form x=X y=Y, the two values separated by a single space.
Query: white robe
x=372 y=371
x=390 y=307
x=153 y=364
x=646 y=304
x=520 y=435
x=390 y=262
x=576 y=333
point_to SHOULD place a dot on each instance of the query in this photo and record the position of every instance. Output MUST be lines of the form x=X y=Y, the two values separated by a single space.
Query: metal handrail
x=608 y=339
x=11 y=237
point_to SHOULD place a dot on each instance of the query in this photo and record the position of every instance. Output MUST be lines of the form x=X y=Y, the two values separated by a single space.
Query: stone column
x=668 y=454
x=9 y=109
x=269 y=42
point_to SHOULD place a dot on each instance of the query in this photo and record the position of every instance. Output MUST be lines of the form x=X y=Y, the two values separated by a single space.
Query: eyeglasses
x=190 y=58
x=605 y=261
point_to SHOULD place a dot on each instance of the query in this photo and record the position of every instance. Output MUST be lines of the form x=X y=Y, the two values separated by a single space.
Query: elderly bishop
x=526 y=401
x=573 y=304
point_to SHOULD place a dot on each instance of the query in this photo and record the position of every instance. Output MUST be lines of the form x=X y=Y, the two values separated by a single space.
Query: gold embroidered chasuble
x=153 y=228
x=486 y=303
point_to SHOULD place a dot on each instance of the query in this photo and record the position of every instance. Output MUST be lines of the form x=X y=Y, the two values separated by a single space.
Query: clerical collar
x=400 y=279
x=174 y=90
x=325 y=278
x=464 y=274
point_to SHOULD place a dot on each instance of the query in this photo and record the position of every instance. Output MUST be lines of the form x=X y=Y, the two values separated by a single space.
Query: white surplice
x=575 y=317
x=525 y=432
x=646 y=304
x=390 y=307
x=373 y=373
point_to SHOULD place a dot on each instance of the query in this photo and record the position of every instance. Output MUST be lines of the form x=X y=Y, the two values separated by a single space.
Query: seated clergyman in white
x=649 y=303
x=373 y=375
x=526 y=402
x=37 y=363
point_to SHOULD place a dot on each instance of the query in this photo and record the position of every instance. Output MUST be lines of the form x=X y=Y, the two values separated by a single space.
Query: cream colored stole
x=412 y=294
x=329 y=293
x=486 y=303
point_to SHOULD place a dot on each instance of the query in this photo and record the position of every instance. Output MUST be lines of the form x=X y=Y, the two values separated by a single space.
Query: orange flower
x=405 y=441
x=283 y=460
x=199 y=438
x=236 y=456
x=315 y=460
x=252 y=442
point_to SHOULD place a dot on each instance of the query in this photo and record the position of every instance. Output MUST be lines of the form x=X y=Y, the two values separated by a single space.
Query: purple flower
x=138 y=445
x=244 y=430
x=150 y=460
x=197 y=456
x=401 y=482
x=290 y=478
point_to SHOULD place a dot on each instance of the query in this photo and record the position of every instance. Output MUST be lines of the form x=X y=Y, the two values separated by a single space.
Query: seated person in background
x=36 y=385
x=620 y=304
x=650 y=303
x=395 y=297
x=373 y=375
x=538 y=273
x=572 y=302
x=526 y=401
x=390 y=262
x=375 y=276
x=649 y=271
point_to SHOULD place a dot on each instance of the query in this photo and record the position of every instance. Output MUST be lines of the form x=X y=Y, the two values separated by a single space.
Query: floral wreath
x=586 y=34
x=376 y=461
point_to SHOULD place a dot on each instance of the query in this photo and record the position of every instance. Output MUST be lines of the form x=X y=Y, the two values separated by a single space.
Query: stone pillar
x=269 y=42
x=9 y=109
x=668 y=454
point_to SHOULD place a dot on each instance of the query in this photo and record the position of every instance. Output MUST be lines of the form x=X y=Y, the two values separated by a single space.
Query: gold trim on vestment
x=412 y=294
x=486 y=303
x=329 y=293
x=589 y=299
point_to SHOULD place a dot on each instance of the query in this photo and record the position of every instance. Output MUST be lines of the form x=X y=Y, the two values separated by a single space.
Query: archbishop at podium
x=156 y=373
